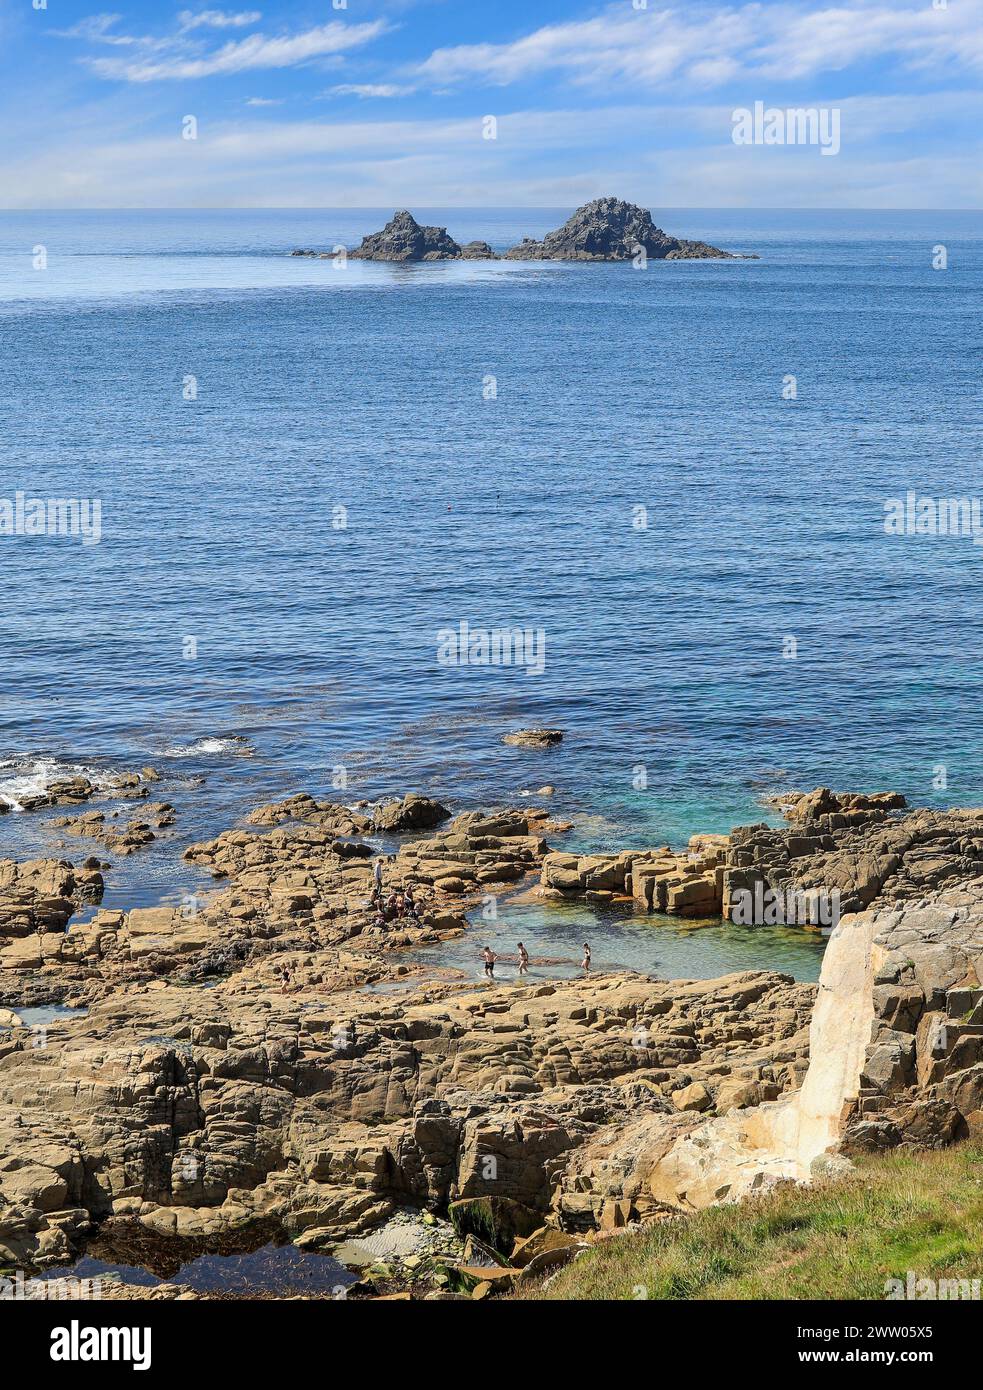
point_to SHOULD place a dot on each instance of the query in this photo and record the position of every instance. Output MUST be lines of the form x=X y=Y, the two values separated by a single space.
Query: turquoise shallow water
x=364 y=389
x=624 y=938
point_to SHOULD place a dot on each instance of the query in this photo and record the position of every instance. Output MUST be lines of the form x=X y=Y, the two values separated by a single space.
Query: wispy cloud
x=244 y=55
x=710 y=45
x=218 y=19
x=264 y=101
x=97 y=28
x=370 y=89
x=557 y=157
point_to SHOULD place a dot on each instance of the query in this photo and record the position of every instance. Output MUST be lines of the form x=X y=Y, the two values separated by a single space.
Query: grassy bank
x=907 y=1211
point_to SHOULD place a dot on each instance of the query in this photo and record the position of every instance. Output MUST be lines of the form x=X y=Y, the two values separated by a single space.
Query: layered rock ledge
x=293 y=1094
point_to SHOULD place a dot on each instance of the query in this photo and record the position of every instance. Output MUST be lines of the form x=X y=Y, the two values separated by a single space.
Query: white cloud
x=218 y=19
x=256 y=51
x=96 y=29
x=540 y=158
x=264 y=101
x=370 y=89
x=711 y=45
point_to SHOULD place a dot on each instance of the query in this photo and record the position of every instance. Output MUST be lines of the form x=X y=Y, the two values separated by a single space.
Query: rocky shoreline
x=607 y=229
x=265 y=1058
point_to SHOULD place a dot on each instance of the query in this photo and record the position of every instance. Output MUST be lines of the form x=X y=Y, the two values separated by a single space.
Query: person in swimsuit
x=489 y=957
x=585 y=963
x=523 y=959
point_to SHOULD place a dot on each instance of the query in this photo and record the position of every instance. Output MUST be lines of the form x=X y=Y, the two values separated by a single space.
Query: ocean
x=306 y=472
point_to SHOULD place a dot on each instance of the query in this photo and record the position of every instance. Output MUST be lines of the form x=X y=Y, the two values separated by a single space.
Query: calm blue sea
x=364 y=388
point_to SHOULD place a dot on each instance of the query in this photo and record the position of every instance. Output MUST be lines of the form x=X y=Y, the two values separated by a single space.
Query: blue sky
x=379 y=103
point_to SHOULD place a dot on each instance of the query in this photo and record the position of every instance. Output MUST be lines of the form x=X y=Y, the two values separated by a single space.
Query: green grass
x=906 y=1211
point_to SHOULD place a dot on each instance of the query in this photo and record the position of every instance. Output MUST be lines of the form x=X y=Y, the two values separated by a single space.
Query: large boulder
x=412 y=813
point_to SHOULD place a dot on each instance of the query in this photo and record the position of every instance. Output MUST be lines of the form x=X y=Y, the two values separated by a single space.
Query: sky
x=386 y=103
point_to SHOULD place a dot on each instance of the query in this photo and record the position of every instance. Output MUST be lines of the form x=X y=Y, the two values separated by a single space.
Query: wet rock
x=73 y=791
x=534 y=738
x=412 y=813
x=119 y=838
x=304 y=808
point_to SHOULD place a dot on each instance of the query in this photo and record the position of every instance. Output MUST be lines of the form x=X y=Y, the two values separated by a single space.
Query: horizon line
x=477 y=207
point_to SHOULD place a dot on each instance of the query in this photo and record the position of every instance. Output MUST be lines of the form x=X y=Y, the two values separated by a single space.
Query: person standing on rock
x=523 y=959
x=585 y=963
x=489 y=957
x=377 y=873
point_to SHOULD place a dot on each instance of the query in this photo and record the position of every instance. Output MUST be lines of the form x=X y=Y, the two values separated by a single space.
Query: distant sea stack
x=605 y=230
x=611 y=230
x=403 y=239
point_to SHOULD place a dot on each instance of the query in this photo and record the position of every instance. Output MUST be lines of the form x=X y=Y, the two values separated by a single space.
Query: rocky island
x=611 y=230
x=403 y=239
x=607 y=229
x=324 y=1086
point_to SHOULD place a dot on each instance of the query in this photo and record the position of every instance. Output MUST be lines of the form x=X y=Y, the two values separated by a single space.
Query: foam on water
x=22 y=778
x=208 y=747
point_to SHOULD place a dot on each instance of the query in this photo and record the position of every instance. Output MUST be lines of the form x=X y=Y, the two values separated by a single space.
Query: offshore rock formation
x=403 y=239
x=607 y=229
x=611 y=230
x=322 y=1081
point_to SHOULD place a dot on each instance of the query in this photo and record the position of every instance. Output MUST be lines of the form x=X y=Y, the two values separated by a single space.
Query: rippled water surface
x=230 y=631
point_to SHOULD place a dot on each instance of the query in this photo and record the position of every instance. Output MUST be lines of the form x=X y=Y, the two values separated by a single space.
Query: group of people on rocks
x=399 y=905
